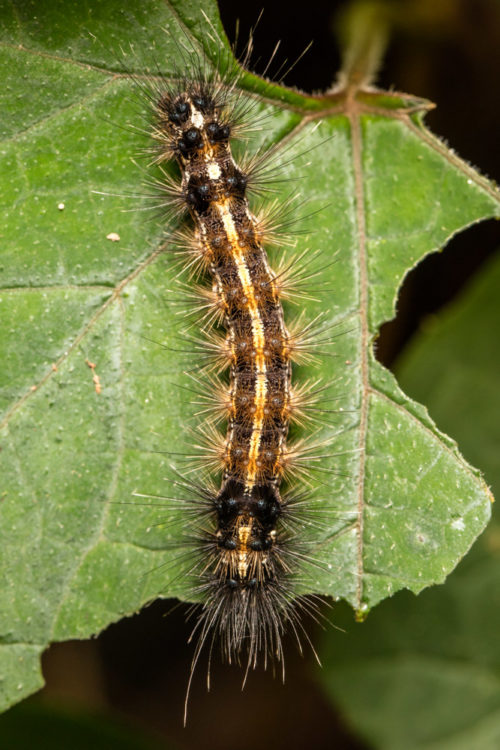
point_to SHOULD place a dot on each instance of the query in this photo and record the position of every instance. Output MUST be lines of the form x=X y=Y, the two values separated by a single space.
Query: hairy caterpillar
x=248 y=541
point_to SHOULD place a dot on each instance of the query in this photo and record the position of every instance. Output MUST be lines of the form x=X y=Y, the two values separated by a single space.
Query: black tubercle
x=235 y=585
x=218 y=133
x=191 y=141
x=262 y=503
x=193 y=138
x=202 y=102
x=236 y=183
x=228 y=543
x=178 y=111
x=199 y=194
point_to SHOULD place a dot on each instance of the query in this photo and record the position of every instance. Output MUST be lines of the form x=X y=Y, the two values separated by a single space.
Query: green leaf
x=54 y=728
x=401 y=505
x=424 y=673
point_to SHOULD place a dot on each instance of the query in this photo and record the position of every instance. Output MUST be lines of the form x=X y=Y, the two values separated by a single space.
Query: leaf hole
x=434 y=283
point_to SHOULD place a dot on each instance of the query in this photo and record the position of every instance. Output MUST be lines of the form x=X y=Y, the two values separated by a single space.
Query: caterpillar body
x=248 y=550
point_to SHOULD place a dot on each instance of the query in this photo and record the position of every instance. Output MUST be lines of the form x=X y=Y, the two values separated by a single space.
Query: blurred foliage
x=45 y=727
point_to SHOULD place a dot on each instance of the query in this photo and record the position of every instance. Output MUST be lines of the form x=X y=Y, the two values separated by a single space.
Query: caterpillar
x=248 y=549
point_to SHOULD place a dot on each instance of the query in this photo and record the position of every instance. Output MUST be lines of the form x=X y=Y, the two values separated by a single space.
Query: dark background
x=447 y=51
x=137 y=670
